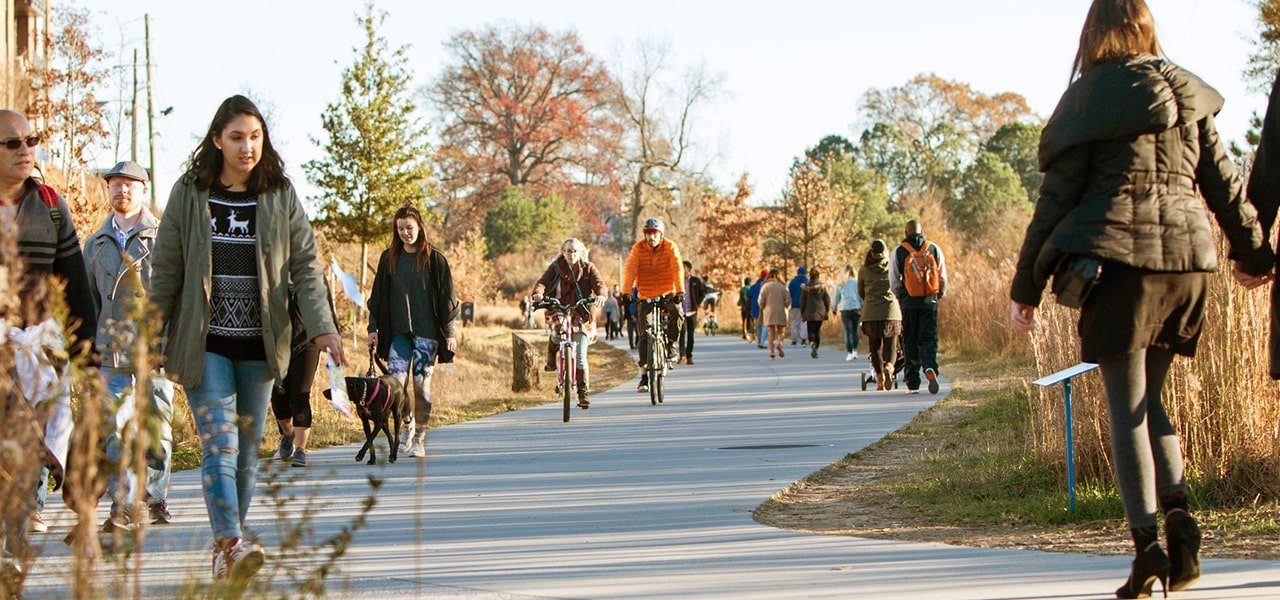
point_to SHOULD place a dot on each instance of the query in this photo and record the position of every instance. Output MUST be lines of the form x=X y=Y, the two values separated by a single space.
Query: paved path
x=635 y=501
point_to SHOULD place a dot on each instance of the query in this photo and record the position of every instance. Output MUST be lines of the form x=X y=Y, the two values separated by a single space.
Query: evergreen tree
x=376 y=144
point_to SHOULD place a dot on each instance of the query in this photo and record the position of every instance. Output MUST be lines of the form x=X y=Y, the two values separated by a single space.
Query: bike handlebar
x=554 y=304
x=660 y=300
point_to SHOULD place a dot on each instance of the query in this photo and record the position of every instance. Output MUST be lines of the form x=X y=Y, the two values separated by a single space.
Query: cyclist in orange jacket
x=654 y=268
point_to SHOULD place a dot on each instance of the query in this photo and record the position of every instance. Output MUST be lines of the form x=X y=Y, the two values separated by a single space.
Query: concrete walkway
x=630 y=500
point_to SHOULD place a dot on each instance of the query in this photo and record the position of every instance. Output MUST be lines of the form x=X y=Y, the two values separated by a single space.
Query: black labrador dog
x=380 y=401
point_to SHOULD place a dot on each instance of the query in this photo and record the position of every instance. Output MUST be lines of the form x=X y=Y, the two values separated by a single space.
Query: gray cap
x=129 y=169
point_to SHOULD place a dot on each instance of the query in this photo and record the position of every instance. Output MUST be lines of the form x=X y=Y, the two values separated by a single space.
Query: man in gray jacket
x=118 y=258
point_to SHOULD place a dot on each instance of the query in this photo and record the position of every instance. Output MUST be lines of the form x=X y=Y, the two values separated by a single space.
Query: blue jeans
x=850 y=318
x=420 y=354
x=120 y=385
x=229 y=408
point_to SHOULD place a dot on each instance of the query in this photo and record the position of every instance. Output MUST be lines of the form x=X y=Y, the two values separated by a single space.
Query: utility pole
x=151 y=132
x=133 y=110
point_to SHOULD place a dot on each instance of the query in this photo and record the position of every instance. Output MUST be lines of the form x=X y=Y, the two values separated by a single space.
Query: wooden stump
x=525 y=365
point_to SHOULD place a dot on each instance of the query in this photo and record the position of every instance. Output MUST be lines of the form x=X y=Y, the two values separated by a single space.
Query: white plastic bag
x=338 y=387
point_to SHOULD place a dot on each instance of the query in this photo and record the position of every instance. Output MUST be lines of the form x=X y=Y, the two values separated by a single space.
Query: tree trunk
x=525 y=365
x=364 y=262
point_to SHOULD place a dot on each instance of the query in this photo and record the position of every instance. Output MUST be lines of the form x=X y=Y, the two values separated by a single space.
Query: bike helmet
x=653 y=224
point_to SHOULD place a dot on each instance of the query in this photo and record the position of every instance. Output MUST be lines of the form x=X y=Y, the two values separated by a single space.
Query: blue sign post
x=1065 y=376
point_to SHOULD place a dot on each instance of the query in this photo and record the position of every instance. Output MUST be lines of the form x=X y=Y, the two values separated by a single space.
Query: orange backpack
x=920 y=272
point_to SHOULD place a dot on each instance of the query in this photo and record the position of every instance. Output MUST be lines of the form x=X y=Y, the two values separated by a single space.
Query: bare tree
x=659 y=113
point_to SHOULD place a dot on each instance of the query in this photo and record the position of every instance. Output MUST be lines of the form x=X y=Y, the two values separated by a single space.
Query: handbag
x=1074 y=278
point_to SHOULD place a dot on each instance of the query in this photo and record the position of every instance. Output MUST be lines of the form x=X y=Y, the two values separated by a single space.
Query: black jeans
x=670 y=328
x=919 y=339
x=690 y=323
x=815 y=334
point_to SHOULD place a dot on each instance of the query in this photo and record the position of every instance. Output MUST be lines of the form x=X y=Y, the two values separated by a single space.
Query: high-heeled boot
x=1150 y=564
x=1182 y=535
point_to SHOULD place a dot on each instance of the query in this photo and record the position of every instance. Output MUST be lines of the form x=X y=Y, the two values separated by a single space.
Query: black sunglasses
x=16 y=143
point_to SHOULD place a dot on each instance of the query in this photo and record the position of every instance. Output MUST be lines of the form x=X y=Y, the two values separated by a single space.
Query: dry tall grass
x=1222 y=403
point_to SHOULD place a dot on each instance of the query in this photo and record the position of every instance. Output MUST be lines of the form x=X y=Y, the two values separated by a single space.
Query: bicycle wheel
x=661 y=379
x=566 y=380
x=656 y=363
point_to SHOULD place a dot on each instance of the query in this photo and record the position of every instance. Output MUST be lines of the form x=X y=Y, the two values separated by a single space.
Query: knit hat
x=764 y=273
x=877 y=246
x=799 y=270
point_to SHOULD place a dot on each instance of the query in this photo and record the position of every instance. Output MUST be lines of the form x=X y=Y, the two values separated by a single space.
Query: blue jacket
x=847 y=297
x=795 y=286
x=754 y=293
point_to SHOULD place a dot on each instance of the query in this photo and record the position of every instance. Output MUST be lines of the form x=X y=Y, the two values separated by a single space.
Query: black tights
x=1144 y=446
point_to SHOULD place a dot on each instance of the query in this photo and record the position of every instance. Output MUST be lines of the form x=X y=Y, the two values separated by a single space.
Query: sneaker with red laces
x=237 y=560
x=160 y=514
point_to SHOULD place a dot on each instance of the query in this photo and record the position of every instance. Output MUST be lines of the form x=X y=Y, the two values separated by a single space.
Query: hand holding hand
x=1022 y=316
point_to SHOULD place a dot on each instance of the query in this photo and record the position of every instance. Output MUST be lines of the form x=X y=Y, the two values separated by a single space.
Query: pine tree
x=376 y=145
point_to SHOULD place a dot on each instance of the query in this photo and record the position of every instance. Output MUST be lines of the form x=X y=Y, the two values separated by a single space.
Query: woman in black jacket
x=1127 y=155
x=412 y=316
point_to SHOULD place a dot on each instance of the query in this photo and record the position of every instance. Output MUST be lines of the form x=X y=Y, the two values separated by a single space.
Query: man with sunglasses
x=39 y=222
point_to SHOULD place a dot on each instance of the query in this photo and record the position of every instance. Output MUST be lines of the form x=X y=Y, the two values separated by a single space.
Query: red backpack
x=50 y=198
x=920 y=272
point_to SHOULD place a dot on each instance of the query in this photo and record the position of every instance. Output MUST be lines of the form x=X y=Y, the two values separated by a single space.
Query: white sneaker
x=850 y=357
x=406 y=435
x=854 y=355
x=418 y=449
x=239 y=562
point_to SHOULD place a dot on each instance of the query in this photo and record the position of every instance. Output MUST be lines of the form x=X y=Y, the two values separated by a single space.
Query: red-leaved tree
x=522 y=106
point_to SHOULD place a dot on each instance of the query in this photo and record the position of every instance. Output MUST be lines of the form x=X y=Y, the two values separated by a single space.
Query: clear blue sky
x=794 y=71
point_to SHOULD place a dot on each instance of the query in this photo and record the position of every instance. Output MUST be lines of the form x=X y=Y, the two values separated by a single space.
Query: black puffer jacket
x=1127 y=155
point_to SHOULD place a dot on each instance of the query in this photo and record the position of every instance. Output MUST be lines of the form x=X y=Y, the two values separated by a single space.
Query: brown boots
x=582 y=393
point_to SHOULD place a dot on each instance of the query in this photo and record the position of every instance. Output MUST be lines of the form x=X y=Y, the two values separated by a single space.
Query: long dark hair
x=1115 y=28
x=206 y=161
x=397 y=246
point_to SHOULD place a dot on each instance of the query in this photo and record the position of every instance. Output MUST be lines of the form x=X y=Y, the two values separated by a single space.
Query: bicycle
x=564 y=328
x=656 y=363
x=709 y=324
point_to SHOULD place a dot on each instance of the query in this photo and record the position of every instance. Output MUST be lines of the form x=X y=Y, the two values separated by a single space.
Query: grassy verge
x=962 y=473
x=477 y=385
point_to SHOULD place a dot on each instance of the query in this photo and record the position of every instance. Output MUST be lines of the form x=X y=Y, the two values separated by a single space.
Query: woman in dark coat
x=815 y=301
x=1127 y=156
x=570 y=278
x=413 y=315
x=881 y=315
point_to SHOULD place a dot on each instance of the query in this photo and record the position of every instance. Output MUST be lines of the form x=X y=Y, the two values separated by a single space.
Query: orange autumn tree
x=732 y=237
x=520 y=106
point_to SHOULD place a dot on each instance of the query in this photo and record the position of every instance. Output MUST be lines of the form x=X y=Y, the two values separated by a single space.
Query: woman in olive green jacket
x=881 y=315
x=232 y=237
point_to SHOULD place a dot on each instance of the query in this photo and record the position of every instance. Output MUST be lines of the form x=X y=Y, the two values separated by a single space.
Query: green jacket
x=878 y=300
x=1128 y=155
x=182 y=270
